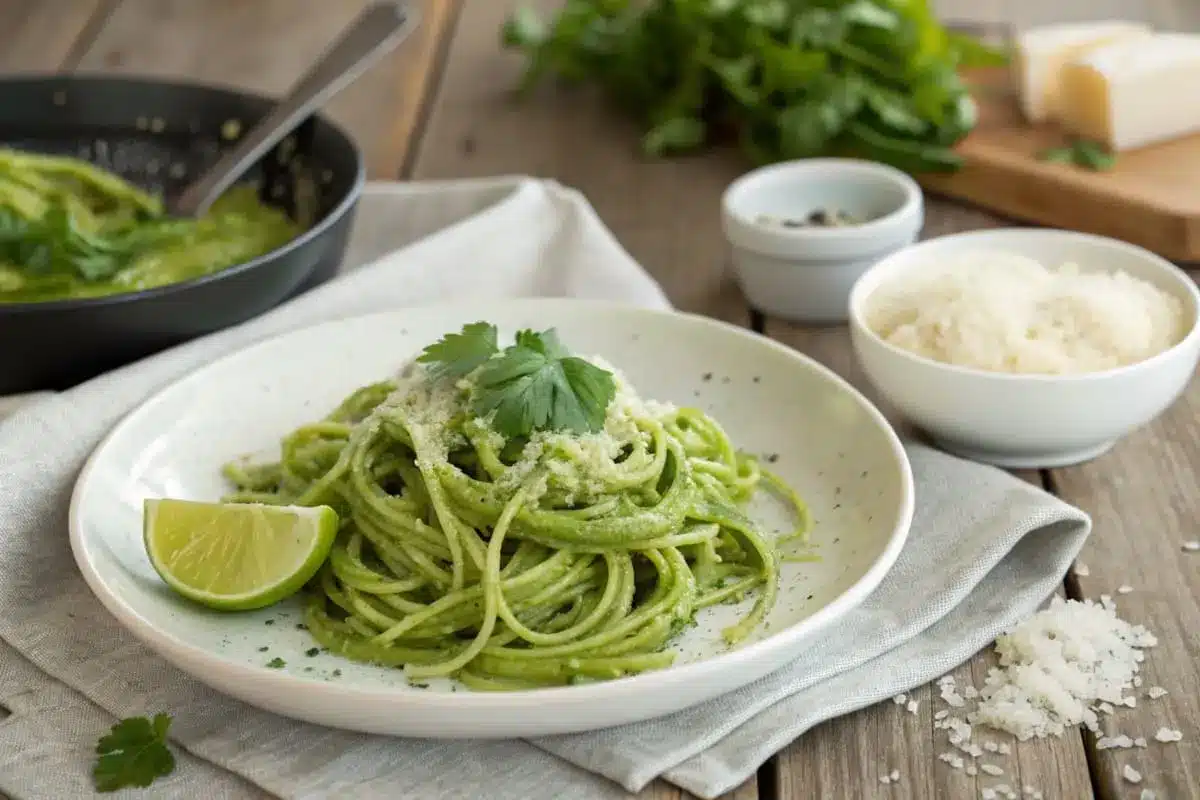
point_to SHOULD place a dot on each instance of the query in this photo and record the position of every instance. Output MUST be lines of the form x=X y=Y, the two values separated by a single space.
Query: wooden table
x=438 y=108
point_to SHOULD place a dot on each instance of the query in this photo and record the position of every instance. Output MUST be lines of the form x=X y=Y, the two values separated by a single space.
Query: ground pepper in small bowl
x=818 y=218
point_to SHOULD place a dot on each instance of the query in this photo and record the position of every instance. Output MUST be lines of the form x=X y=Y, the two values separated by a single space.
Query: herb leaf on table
x=787 y=78
x=133 y=753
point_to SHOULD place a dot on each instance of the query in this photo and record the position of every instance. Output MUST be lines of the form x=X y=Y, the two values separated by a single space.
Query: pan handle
x=376 y=32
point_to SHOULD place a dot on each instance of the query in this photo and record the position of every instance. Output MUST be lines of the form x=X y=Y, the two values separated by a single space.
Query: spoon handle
x=376 y=31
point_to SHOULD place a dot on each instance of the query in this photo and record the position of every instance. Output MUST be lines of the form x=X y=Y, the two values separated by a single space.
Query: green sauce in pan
x=69 y=230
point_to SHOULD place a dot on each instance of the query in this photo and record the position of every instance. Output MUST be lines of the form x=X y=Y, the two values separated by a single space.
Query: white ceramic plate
x=820 y=434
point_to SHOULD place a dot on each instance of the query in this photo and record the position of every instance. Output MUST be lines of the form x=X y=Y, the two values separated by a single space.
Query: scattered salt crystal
x=991 y=747
x=912 y=706
x=1081 y=569
x=1129 y=702
x=1139 y=741
x=1131 y=774
x=1056 y=666
x=1106 y=708
x=1003 y=749
x=1192 y=546
x=894 y=775
x=1124 y=588
x=1167 y=735
x=885 y=779
x=1113 y=742
x=972 y=770
x=988 y=793
x=899 y=699
x=1137 y=681
x=970 y=692
x=941 y=714
x=1156 y=692
x=991 y=769
x=1148 y=794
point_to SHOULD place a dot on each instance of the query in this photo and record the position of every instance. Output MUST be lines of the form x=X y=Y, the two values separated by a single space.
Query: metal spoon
x=376 y=32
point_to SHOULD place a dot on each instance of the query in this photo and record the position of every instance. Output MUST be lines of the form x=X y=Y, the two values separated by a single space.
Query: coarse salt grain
x=1114 y=742
x=1131 y=774
x=1155 y=692
x=899 y=699
x=1057 y=665
x=1082 y=570
x=912 y=706
x=1140 y=742
x=1124 y=588
x=1192 y=546
x=1166 y=735
x=991 y=769
x=894 y=775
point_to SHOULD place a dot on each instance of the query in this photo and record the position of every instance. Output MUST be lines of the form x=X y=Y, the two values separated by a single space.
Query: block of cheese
x=1134 y=93
x=1041 y=53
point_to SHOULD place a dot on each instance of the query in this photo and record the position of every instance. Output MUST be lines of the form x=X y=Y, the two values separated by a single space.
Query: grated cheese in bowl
x=1004 y=312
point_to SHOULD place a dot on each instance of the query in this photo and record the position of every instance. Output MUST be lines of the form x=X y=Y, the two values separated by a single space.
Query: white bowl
x=1027 y=421
x=803 y=273
x=835 y=448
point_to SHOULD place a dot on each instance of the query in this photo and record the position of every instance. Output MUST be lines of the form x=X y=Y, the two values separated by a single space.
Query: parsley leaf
x=458 y=354
x=537 y=385
x=133 y=753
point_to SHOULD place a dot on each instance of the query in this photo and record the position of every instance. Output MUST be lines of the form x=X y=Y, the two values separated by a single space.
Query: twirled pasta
x=515 y=564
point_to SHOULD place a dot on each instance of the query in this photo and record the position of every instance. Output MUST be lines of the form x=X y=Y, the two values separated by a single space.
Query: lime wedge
x=234 y=556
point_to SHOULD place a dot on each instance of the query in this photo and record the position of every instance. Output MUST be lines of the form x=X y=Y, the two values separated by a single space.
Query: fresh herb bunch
x=877 y=79
x=533 y=385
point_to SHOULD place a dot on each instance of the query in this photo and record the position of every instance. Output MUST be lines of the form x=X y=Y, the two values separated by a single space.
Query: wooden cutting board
x=1150 y=198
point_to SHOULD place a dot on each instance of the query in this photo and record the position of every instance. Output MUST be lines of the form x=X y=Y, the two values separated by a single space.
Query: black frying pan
x=160 y=135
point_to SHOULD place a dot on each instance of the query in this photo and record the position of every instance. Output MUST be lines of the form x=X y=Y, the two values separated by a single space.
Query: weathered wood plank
x=1143 y=499
x=666 y=213
x=36 y=36
x=846 y=757
x=266 y=45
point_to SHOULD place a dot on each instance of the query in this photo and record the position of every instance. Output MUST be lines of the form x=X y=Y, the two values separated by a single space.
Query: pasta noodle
x=554 y=559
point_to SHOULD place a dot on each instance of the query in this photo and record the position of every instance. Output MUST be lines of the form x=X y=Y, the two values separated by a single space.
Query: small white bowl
x=805 y=273
x=1024 y=420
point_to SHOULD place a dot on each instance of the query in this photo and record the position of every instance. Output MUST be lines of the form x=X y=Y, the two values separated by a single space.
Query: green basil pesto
x=69 y=229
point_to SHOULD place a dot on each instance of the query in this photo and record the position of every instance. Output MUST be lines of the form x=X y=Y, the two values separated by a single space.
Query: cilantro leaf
x=133 y=753
x=536 y=385
x=457 y=354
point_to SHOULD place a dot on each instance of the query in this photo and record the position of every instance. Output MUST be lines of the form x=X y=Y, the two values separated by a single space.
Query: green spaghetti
x=553 y=557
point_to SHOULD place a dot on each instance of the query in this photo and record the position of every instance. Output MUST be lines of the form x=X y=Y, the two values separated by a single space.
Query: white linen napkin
x=985 y=550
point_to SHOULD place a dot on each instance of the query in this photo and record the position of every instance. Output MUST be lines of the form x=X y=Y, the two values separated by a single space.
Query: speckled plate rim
x=252 y=681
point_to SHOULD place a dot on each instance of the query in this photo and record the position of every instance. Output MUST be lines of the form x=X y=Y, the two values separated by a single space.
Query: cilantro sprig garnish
x=133 y=753
x=535 y=384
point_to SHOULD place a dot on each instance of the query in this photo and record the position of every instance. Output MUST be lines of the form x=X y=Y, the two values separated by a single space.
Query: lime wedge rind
x=236 y=557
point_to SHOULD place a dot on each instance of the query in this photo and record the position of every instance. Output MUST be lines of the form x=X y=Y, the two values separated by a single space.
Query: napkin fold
x=985 y=550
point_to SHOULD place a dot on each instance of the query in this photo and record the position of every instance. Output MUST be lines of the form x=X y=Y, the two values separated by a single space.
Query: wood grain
x=264 y=46
x=847 y=756
x=666 y=213
x=38 y=36
x=1143 y=499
